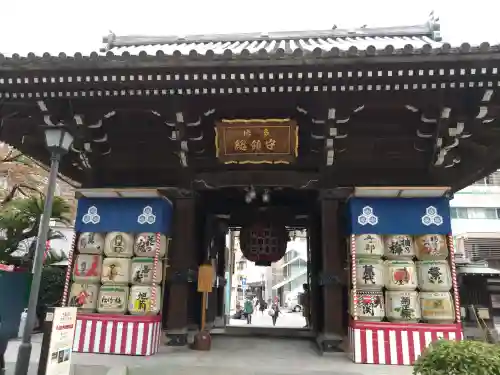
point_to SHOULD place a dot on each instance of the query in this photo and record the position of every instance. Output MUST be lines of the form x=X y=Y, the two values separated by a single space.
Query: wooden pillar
x=216 y=240
x=221 y=284
x=181 y=275
x=314 y=243
x=331 y=277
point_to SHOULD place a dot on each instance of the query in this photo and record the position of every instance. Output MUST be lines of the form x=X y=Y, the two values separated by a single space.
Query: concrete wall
x=476 y=196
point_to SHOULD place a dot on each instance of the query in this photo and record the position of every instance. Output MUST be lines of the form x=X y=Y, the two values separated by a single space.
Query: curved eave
x=183 y=56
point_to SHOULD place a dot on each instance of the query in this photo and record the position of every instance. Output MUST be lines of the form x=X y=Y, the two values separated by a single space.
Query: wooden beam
x=244 y=178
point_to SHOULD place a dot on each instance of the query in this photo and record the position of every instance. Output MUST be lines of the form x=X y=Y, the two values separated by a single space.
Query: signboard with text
x=61 y=340
x=273 y=141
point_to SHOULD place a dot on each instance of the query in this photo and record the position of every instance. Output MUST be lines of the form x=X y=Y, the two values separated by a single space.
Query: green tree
x=20 y=222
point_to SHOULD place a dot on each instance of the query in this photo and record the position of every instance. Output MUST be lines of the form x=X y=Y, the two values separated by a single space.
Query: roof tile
x=407 y=40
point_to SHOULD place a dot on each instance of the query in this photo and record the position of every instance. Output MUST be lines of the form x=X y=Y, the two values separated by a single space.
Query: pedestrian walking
x=305 y=301
x=262 y=306
x=3 y=347
x=248 y=308
x=274 y=312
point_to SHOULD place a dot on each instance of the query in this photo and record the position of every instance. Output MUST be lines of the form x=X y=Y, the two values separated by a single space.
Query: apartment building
x=282 y=279
x=475 y=213
x=290 y=273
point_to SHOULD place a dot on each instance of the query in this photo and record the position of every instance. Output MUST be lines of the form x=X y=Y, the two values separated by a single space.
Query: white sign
x=61 y=341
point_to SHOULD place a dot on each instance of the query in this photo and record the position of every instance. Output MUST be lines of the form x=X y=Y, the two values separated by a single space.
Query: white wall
x=476 y=196
x=459 y=226
x=472 y=197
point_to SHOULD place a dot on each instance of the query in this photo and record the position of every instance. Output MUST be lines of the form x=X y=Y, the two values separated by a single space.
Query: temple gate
x=308 y=122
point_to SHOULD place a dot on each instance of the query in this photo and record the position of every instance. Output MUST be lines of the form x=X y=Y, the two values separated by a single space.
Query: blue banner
x=133 y=215
x=412 y=216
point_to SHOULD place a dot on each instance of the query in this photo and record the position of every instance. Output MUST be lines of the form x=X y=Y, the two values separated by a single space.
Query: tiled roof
x=392 y=41
x=420 y=39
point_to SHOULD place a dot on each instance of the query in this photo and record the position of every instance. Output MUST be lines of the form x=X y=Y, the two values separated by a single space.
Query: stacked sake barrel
x=402 y=278
x=106 y=266
x=87 y=271
x=145 y=275
x=402 y=302
x=369 y=278
x=434 y=279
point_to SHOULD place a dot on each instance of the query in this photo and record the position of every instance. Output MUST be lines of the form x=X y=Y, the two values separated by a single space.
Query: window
x=291 y=255
x=475 y=213
x=459 y=213
x=482 y=213
x=241 y=265
x=495 y=301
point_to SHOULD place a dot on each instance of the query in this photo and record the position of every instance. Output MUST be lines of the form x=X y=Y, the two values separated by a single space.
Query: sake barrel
x=402 y=306
x=87 y=269
x=139 y=302
x=369 y=274
x=119 y=245
x=116 y=271
x=431 y=247
x=369 y=245
x=370 y=306
x=113 y=299
x=145 y=245
x=399 y=246
x=437 y=307
x=434 y=276
x=141 y=271
x=90 y=243
x=84 y=296
x=400 y=275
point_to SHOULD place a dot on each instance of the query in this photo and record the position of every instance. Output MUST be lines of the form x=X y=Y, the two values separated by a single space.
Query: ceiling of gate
x=378 y=137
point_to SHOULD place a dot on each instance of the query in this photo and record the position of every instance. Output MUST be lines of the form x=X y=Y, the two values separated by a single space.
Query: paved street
x=285 y=320
x=245 y=356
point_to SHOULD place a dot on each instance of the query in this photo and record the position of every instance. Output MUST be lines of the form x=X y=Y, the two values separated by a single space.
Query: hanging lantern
x=263 y=243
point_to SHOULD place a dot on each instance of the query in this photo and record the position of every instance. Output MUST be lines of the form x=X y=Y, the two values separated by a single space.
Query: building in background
x=248 y=280
x=290 y=273
x=283 y=279
x=475 y=213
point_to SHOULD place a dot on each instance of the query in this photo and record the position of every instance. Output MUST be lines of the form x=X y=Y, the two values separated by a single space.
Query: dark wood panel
x=233 y=77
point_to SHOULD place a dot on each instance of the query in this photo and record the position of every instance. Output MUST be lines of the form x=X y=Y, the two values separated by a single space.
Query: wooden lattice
x=263 y=243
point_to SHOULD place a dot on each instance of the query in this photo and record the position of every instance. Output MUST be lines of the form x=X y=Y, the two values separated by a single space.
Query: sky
x=78 y=26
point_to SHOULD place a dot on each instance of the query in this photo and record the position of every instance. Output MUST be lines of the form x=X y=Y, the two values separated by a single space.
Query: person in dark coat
x=3 y=347
x=262 y=306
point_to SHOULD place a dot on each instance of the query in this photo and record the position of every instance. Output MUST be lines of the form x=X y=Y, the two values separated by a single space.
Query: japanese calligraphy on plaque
x=273 y=141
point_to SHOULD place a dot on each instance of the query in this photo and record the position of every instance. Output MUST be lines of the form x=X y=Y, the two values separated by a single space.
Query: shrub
x=51 y=289
x=466 y=357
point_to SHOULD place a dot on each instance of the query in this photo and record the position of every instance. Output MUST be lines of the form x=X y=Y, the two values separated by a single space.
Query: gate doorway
x=313 y=233
x=272 y=290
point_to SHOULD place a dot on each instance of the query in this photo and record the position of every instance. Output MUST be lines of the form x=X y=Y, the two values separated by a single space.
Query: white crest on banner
x=92 y=216
x=367 y=216
x=432 y=217
x=147 y=216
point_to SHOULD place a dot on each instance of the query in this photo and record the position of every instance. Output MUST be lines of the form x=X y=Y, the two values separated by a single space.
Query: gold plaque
x=273 y=141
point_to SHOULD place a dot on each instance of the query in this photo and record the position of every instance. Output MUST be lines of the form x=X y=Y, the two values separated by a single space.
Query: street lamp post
x=58 y=140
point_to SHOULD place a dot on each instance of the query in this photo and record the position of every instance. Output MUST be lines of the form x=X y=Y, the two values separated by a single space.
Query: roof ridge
x=430 y=29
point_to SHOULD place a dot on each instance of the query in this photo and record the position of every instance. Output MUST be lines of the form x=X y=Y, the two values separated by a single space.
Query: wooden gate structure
x=302 y=118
